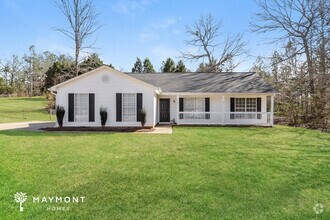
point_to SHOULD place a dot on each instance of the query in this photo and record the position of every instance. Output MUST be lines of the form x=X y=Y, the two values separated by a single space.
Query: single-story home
x=227 y=98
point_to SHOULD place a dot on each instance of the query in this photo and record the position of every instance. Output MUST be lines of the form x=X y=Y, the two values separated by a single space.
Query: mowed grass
x=19 y=109
x=195 y=173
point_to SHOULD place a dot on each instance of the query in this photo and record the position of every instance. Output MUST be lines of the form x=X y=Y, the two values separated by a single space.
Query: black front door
x=164 y=110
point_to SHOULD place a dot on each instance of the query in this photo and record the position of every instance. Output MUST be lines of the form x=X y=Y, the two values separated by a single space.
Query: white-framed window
x=194 y=105
x=245 y=105
x=129 y=107
x=81 y=104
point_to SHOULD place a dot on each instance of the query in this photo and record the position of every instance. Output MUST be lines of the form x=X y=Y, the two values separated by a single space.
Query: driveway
x=28 y=125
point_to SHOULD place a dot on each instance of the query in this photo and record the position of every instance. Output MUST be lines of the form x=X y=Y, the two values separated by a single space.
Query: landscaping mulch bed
x=98 y=129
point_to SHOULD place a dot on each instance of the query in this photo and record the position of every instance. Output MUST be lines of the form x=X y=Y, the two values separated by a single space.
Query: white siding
x=105 y=84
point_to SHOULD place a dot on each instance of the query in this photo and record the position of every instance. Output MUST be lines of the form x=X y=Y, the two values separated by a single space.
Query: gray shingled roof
x=228 y=82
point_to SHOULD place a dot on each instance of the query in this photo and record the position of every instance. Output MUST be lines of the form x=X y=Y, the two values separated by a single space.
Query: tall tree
x=302 y=71
x=293 y=18
x=138 y=67
x=180 y=67
x=82 y=24
x=168 y=66
x=147 y=66
x=204 y=36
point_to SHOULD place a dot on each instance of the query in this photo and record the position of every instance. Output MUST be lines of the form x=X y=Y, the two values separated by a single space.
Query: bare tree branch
x=204 y=36
x=81 y=17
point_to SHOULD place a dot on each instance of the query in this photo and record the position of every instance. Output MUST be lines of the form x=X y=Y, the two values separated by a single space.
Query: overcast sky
x=131 y=28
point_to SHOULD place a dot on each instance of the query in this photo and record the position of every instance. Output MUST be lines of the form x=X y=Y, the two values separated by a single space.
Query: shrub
x=104 y=115
x=143 y=117
x=60 y=111
x=50 y=100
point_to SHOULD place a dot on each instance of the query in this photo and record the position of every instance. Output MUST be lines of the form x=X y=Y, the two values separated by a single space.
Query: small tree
x=168 y=66
x=143 y=117
x=103 y=115
x=20 y=198
x=138 y=67
x=60 y=111
x=147 y=66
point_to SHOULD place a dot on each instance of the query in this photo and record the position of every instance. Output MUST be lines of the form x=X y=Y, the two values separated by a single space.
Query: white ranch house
x=178 y=98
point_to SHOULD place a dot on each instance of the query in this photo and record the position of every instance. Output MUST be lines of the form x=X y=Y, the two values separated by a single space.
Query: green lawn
x=23 y=109
x=195 y=173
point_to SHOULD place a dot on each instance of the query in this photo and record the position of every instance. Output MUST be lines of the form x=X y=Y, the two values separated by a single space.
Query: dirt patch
x=98 y=129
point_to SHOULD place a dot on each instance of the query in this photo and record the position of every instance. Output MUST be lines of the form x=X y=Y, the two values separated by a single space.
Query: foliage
x=168 y=66
x=60 y=71
x=143 y=116
x=147 y=66
x=50 y=97
x=90 y=62
x=137 y=68
x=250 y=173
x=103 y=115
x=60 y=112
x=4 y=88
x=180 y=67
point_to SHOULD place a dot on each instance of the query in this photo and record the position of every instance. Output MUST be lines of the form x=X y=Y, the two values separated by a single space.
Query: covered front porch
x=215 y=109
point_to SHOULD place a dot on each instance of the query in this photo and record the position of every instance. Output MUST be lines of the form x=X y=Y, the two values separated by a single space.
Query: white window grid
x=81 y=104
x=245 y=105
x=129 y=107
x=194 y=105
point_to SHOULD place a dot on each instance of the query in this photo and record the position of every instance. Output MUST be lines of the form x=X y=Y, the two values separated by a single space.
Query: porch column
x=223 y=108
x=272 y=110
x=177 y=109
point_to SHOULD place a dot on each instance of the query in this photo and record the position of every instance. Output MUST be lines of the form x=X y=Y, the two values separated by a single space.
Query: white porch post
x=272 y=110
x=177 y=109
x=223 y=109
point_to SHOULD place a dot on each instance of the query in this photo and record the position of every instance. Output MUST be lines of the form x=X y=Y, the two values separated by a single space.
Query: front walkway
x=28 y=125
x=161 y=129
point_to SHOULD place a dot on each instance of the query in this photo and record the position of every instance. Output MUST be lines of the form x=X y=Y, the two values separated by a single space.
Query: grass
x=195 y=173
x=20 y=109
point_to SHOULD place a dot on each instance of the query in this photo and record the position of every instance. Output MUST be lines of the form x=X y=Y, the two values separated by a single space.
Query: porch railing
x=236 y=118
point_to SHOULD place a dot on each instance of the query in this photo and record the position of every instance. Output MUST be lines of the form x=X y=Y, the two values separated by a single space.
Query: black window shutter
x=207 y=108
x=180 y=104
x=181 y=107
x=71 y=107
x=138 y=106
x=258 y=108
x=232 y=107
x=91 y=107
x=118 y=107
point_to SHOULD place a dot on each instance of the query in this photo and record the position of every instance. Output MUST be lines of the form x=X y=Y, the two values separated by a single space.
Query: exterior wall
x=263 y=119
x=105 y=84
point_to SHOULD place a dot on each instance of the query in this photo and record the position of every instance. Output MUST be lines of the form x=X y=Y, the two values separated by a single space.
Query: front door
x=164 y=110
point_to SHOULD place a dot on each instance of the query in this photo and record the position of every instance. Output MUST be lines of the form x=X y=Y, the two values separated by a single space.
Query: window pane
x=81 y=107
x=245 y=105
x=194 y=105
x=129 y=107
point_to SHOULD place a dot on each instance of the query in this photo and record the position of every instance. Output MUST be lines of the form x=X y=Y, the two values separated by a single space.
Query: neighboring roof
x=224 y=82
